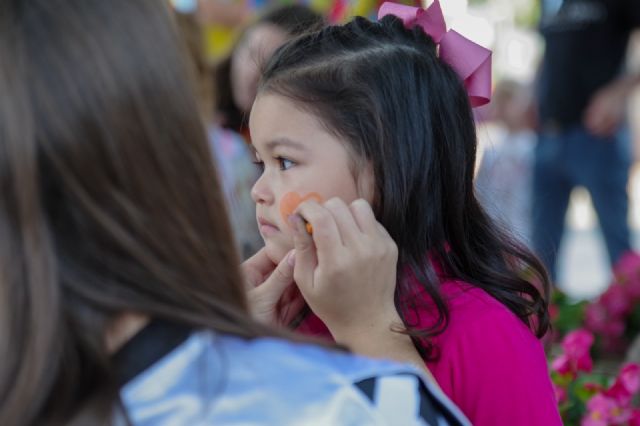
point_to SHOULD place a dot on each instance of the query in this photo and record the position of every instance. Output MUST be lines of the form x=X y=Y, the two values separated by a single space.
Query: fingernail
x=291 y=259
x=294 y=221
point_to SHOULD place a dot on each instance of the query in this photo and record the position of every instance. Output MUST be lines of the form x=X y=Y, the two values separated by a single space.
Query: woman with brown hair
x=120 y=300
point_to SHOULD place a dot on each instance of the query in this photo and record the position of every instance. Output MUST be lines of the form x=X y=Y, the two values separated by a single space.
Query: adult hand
x=266 y=283
x=346 y=270
x=608 y=107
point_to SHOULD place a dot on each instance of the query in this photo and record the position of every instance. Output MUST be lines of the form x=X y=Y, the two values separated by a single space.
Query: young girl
x=371 y=110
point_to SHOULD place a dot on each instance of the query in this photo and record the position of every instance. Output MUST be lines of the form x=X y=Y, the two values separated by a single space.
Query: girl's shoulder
x=490 y=362
x=466 y=304
x=474 y=315
x=475 y=319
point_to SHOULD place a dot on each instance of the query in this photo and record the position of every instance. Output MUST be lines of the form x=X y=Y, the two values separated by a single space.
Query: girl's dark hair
x=294 y=20
x=109 y=201
x=383 y=89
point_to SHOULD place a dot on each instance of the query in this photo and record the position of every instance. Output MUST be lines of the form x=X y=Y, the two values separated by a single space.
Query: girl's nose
x=261 y=192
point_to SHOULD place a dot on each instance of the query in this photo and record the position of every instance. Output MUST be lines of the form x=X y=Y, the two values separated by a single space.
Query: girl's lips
x=267 y=228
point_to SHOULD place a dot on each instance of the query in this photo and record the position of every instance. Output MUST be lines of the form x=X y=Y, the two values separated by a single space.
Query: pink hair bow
x=471 y=61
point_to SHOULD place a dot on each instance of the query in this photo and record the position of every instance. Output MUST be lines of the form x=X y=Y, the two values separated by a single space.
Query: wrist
x=374 y=337
x=383 y=340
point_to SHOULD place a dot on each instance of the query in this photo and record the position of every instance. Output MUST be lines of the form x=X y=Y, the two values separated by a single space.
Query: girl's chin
x=277 y=252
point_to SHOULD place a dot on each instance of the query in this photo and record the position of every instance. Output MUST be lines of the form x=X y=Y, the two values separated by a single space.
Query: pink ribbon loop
x=471 y=61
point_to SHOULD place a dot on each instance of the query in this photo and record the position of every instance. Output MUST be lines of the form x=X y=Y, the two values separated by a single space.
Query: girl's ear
x=366 y=183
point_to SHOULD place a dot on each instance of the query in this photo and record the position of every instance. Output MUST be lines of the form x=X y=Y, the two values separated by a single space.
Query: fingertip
x=291 y=258
x=295 y=222
x=334 y=203
x=361 y=205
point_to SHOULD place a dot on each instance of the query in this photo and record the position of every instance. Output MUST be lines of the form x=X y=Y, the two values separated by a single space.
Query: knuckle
x=360 y=205
x=333 y=203
x=323 y=218
x=280 y=275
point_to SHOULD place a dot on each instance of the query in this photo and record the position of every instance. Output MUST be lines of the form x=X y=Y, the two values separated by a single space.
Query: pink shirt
x=491 y=365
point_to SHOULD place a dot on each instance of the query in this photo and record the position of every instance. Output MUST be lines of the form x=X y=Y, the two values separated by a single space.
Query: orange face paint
x=290 y=202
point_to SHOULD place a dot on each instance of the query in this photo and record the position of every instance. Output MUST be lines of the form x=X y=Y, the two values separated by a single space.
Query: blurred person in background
x=237 y=77
x=504 y=178
x=234 y=158
x=120 y=298
x=583 y=141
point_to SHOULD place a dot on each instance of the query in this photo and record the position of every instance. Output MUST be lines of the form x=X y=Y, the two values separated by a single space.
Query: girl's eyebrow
x=272 y=144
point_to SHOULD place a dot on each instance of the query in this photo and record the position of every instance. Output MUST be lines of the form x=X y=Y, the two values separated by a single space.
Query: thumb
x=280 y=278
x=306 y=257
x=256 y=268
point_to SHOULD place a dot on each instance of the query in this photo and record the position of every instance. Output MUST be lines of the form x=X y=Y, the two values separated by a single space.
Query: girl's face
x=297 y=154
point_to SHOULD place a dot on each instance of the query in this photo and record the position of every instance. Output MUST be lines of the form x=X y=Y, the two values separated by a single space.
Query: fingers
x=600 y=122
x=289 y=306
x=282 y=276
x=264 y=297
x=256 y=268
x=306 y=258
x=605 y=111
x=364 y=217
x=346 y=223
x=259 y=262
x=279 y=280
x=602 y=126
x=326 y=235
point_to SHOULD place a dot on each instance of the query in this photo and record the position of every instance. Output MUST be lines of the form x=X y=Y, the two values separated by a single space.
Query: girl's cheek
x=287 y=234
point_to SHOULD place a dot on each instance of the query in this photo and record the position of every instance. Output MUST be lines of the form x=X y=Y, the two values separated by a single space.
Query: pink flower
x=616 y=300
x=561 y=393
x=630 y=377
x=614 y=328
x=603 y=410
x=595 y=317
x=633 y=289
x=599 y=410
x=576 y=357
x=628 y=267
x=593 y=419
x=634 y=420
x=626 y=385
x=577 y=342
x=561 y=364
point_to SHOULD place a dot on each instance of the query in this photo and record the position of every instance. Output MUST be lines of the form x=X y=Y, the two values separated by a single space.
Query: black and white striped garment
x=171 y=375
x=400 y=395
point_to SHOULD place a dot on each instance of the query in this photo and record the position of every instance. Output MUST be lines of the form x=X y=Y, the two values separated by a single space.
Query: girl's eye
x=285 y=164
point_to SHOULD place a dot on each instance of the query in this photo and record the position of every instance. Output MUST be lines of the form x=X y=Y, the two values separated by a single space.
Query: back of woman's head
x=383 y=89
x=108 y=199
